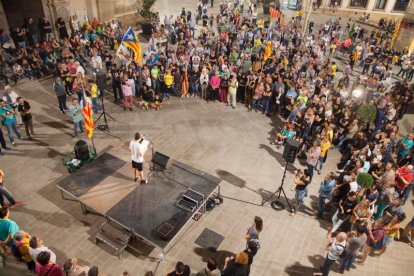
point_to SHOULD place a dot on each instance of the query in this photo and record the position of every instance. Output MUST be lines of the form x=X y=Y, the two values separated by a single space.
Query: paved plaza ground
x=232 y=144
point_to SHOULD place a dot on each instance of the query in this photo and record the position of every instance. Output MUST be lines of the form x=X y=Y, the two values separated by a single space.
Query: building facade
x=13 y=12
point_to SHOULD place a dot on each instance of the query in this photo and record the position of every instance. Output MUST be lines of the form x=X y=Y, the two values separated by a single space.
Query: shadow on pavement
x=219 y=255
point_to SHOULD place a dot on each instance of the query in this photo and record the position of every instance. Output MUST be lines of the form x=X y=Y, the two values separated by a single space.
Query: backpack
x=15 y=250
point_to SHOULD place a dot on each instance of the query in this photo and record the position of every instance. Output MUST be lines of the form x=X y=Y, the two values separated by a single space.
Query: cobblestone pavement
x=233 y=144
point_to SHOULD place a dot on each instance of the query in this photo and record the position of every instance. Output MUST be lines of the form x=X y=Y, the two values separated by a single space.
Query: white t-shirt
x=35 y=251
x=138 y=150
x=95 y=61
x=13 y=96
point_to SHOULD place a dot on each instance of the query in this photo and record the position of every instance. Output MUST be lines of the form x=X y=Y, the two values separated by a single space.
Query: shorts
x=138 y=166
x=387 y=240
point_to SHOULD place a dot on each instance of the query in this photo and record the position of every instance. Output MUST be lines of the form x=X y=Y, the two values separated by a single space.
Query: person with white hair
x=37 y=246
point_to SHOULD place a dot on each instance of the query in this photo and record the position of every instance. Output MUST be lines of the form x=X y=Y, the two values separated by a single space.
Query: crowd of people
x=272 y=66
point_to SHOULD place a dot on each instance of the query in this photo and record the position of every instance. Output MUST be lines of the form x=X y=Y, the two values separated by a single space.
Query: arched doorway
x=18 y=10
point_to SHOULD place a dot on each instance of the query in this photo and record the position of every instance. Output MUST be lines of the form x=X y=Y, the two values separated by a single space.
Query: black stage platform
x=106 y=187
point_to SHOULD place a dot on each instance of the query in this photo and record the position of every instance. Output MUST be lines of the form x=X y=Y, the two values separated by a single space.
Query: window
x=358 y=3
x=335 y=3
x=380 y=4
x=401 y=5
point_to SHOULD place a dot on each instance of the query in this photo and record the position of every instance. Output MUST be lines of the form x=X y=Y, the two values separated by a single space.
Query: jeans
x=321 y=206
x=2 y=141
x=327 y=266
x=22 y=44
x=342 y=140
x=62 y=102
x=155 y=85
x=34 y=37
x=204 y=91
x=13 y=127
x=337 y=222
x=96 y=106
x=5 y=193
x=310 y=170
x=194 y=88
x=49 y=36
x=347 y=261
x=77 y=125
x=266 y=104
x=256 y=103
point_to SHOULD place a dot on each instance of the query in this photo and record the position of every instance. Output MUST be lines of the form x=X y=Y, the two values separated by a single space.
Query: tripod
x=101 y=121
x=279 y=191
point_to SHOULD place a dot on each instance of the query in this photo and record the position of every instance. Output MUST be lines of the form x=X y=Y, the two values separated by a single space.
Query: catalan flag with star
x=87 y=115
x=130 y=40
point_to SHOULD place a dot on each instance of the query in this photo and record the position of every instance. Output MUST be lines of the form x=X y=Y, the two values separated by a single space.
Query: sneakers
x=7 y=148
x=13 y=143
x=1 y=153
x=144 y=181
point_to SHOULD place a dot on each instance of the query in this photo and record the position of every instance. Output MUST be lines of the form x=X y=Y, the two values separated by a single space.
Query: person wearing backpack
x=20 y=249
x=336 y=248
x=375 y=237
x=44 y=267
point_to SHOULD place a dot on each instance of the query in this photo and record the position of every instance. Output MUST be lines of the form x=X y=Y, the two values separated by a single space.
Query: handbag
x=342 y=216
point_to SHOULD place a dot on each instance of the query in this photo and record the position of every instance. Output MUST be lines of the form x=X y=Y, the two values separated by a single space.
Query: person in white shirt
x=96 y=62
x=138 y=147
x=36 y=246
x=79 y=69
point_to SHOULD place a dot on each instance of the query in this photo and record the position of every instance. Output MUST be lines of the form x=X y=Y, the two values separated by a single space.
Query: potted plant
x=146 y=16
x=364 y=180
x=366 y=114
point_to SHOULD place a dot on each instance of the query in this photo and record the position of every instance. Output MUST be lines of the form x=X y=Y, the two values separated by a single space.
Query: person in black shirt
x=25 y=111
x=345 y=208
x=116 y=83
x=302 y=180
x=180 y=270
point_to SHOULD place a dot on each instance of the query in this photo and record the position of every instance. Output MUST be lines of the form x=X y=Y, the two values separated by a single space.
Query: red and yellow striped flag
x=396 y=31
x=268 y=50
x=274 y=13
x=282 y=22
x=87 y=116
x=185 y=83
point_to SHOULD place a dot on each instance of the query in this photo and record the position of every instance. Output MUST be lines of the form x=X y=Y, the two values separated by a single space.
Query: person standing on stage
x=138 y=148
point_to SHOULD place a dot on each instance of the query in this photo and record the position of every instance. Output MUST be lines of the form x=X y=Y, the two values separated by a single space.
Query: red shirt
x=404 y=173
x=56 y=270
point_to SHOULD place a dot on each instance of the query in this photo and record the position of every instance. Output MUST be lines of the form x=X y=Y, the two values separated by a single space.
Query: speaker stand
x=279 y=191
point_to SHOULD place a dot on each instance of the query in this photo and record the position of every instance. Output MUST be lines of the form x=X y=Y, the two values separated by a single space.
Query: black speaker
x=290 y=151
x=161 y=160
x=81 y=150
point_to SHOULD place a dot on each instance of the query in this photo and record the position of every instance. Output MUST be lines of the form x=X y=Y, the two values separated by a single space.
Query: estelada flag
x=87 y=115
x=268 y=50
x=185 y=83
x=274 y=13
x=130 y=40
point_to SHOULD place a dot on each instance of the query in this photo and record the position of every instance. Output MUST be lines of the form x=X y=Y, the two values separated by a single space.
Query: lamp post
x=307 y=9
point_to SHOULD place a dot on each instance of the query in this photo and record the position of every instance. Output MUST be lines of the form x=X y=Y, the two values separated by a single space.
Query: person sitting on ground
x=36 y=246
x=180 y=270
x=44 y=266
x=72 y=268
x=21 y=247
x=210 y=269
x=288 y=131
x=7 y=229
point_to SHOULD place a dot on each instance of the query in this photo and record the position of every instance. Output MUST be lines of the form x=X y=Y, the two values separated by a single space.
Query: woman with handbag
x=360 y=214
x=345 y=208
x=302 y=180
